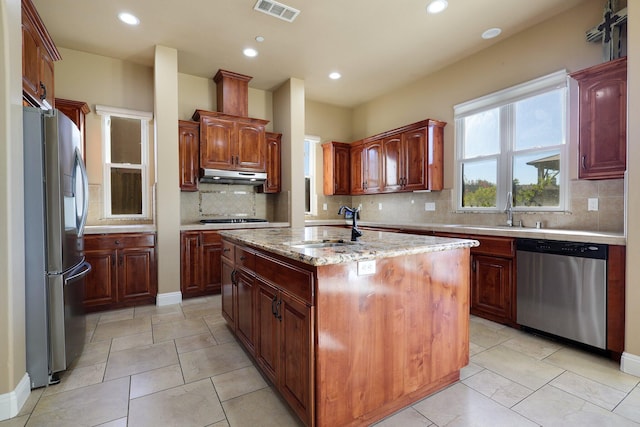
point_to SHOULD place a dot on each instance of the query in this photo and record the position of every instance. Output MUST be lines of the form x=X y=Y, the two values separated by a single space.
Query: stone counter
x=372 y=245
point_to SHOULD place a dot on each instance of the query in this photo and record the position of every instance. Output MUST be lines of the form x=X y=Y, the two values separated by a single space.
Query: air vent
x=279 y=10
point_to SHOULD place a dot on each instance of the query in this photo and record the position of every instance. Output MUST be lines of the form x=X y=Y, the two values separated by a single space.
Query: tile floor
x=179 y=366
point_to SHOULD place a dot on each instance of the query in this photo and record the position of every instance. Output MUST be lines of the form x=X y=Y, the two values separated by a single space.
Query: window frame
x=314 y=141
x=145 y=118
x=505 y=101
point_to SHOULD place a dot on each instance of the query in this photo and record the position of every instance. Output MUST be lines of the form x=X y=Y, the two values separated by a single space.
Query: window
x=510 y=145
x=310 y=199
x=125 y=148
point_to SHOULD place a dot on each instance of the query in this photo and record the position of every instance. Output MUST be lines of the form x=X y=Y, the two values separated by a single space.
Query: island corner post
x=387 y=340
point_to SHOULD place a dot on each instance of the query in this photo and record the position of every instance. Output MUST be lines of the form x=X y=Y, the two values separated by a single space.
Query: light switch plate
x=366 y=268
x=592 y=204
x=324 y=206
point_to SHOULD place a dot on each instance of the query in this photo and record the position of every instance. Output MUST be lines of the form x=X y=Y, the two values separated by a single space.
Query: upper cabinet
x=336 y=160
x=274 y=171
x=230 y=142
x=76 y=111
x=603 y=120
x=409 y=158
x=38 y=54
x=188 y=154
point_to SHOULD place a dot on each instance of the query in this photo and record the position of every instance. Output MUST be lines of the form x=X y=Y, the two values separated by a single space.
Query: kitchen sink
x=314 y=244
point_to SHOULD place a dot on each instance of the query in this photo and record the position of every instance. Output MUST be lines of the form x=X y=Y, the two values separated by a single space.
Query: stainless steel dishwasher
x=562 y=289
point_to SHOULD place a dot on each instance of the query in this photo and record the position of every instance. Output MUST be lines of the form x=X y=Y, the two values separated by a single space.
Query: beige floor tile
x=121 y=328
x=224 y=423
x=178 y=329
x=87 y=406
x=93 y=353
x=18 y=421
x=140 y=359
x=32 y=400
x=594 y=367
x=236 y=383
x=517 y=367
x=194 y=404
x=532 y=345
x=131 y=341
x=78 y=377
x=630 y=406
x=406 y=418
x=121 y=422
x=267 y=410
x=115 y=315
x=589 y=390
x=222 y=334
x=550 y=406
x=214 y=320
x=498 y=388
x=205 y=312
x=469 y=370
x=475 y=349
x=488 y=337
x=459 y=405
x=194 y=301
x=150 y=310
x=167 y=317
x=195 y=342
x=156 y=380
x=211 y=361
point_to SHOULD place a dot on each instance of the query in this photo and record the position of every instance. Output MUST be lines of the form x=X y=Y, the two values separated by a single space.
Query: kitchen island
x=348 y=332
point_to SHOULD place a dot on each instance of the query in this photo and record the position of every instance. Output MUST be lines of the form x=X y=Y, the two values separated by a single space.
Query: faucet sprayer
x=355 y=233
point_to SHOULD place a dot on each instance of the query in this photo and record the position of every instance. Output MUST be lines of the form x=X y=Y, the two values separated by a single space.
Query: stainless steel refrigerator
x=55 y=203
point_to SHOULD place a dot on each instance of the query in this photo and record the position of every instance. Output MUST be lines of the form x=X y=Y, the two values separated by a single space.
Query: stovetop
x=231 y=220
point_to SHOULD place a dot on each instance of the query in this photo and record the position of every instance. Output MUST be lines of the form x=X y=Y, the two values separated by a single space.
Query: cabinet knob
x=43 y=95
x=242 y=258
x=117 y=242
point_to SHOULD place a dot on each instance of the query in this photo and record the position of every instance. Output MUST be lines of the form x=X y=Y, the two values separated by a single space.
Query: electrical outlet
x=324 y=206
x=379 y=206
x=429 y=206
x=366 y=268
x=592 y=204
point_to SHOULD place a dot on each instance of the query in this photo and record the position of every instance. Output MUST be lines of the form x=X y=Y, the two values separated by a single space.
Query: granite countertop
x=372 y=245
x=130 y=228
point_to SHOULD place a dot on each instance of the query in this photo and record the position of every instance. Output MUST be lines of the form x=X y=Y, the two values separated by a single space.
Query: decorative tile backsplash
x=222 y=201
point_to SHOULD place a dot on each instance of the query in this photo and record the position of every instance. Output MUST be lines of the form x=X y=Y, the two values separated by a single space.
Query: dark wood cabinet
x=231 y=143
x=228 y=284
x=373 y=167
x=189 y=154
x=336 y=164
x=357 y=164
x=38 y=54
x=123 y=270
x=76 y=111
x=274 y=165
x=200 y=263
x=603 y=120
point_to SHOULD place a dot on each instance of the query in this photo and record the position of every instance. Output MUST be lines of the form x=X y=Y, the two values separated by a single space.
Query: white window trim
x=144 y=117
x=314 y=140
x=555 y=80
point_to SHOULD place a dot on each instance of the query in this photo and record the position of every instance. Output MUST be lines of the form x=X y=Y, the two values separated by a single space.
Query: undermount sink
x=311 y=244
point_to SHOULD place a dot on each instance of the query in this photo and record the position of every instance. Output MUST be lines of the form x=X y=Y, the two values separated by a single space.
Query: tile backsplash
x=223 y=201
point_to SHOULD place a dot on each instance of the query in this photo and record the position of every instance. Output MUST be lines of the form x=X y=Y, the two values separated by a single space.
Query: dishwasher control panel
x=558 y=247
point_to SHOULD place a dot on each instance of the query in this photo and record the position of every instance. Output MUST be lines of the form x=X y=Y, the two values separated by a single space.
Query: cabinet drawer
x=228 y=250
x=211 y=238
x=117 y=241
x=245 y=258
x=294 y=280
x=499 y=246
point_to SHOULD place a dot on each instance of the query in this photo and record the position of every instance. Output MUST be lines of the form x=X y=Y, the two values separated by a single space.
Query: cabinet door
x=491 y=287
x=188 y=155
x=373 y=169
x=211 y=262
x=216 y=136
x=414 y=160
x=267 y=326
x=101 y=282
x=251 y=148
x=244 y=309
x=137 y=274
x=273 y=184
x=228 y=291
x=295 y=345
x=392 y=156
x=357 y=169
x=46 y=78
x=341 y=170
x=30 y=61
x=190 y=266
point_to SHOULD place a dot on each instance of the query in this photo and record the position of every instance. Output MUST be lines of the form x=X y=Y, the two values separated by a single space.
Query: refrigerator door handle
x=85 y=190
x=86 y=268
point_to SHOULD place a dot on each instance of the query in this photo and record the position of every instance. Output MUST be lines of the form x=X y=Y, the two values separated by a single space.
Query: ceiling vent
x=279 y=10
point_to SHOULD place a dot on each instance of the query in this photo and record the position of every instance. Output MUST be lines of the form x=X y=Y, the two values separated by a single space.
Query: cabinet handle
x=121 y=259
x=278 y=315
x=242 y=258
x=273 y=305
x=226 y=250
x=233 y=277
x=584 y=162
x=44 y=91
x=473 y=266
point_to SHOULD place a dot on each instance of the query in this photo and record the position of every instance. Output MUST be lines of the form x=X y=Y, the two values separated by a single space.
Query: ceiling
x=376 y=45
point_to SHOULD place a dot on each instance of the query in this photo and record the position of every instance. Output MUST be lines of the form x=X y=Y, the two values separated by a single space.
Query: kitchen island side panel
x=389 y=339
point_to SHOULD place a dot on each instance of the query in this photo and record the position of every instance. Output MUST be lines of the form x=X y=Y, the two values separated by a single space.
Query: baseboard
x=11 y=403
x=169 y=298
x=630 y=364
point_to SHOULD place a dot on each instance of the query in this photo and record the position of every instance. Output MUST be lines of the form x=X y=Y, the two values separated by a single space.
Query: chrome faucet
x=508 y=209
x=355 y=233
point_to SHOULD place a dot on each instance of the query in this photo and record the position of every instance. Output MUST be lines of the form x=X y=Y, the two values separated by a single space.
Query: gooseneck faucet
x=508 y=209
x=355 y=233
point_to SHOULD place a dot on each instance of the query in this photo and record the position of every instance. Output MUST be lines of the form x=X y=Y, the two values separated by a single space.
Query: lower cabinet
x=200 y=254
x=123 y=270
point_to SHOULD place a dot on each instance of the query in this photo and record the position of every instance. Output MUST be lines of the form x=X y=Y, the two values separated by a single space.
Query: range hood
x=219 y=176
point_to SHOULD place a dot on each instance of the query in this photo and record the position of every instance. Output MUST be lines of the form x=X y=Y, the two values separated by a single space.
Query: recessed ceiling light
x=335 y=75
x=128 y=18
x=250 y=52
x=259 y=39
x=491 y=33
x=437 y=6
